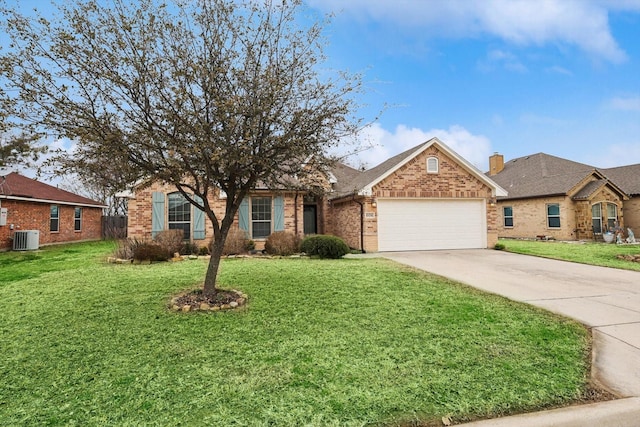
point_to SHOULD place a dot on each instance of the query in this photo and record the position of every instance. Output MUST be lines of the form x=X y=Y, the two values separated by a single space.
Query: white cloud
x=629 y=103
x=559 y=70
x=500 y=58
x=583 y=23
x=475 y=148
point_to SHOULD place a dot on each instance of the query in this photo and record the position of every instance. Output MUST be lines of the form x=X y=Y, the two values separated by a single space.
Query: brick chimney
x=496 y=164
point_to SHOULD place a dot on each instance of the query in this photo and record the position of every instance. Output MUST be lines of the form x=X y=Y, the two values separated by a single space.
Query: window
x=612 y=216
x=507 y=213
x=432 y=165
x=179 y=214
x=596 y=218
x=54 y=219
x=77 y=219
x=260 y=217
x=553 y=215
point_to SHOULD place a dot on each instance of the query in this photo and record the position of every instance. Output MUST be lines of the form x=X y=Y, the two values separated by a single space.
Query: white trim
x=496 y=190
x=57 y=202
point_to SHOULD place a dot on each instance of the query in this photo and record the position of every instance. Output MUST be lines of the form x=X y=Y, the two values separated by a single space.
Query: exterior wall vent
x=26 y=240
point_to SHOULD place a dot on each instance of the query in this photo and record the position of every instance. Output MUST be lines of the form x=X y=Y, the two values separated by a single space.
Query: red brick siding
x=140 y=211
x=35 y=216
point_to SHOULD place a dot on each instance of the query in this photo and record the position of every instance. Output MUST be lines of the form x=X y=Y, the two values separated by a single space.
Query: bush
x=171 y=241
x=189 y=248
x=203 y=250
x=282 y=243
x=150 y=252
x=499 y=246
x=236 y=242
x=324 y=246
x=127 y=247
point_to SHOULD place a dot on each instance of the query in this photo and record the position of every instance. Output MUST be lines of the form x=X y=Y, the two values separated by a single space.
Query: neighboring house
x=428 y=197
x=58 y=215
x=554 y=197
x=628 y=179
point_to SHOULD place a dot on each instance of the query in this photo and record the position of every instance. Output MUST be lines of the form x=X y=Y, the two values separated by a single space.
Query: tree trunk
x=217 y=247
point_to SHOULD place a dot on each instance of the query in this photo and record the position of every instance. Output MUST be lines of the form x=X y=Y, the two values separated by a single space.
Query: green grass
x=340 y=342
x=601 y=254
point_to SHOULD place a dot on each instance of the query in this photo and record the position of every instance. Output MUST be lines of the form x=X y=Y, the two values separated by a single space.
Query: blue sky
x=516 y=77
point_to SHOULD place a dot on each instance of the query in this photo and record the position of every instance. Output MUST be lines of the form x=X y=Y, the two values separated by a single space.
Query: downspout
x=295 y=213
x=361 y=224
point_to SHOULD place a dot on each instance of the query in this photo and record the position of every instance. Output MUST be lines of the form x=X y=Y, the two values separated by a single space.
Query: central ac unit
x=26 y=240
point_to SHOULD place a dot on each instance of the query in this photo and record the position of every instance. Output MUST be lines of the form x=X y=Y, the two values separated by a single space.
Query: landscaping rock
x=186 y=308
x=204 y=306
x=233 y=304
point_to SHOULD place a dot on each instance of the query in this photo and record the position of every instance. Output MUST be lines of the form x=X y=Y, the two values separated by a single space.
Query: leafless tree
x=206 y=95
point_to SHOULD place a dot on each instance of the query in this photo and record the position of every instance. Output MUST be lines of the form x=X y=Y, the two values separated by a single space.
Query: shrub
x=236 y=242
x=499 y=246
x=171 y=241
x=127 y=247
x=150 y=252
x=203 y=250
x=282 y=243
x=324 y=246
x=189 y=248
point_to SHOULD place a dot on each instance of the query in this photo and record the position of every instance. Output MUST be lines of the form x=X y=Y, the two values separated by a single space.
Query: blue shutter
x=243 y=215
x=198 y=221
x=278 y=214
x=157 y=213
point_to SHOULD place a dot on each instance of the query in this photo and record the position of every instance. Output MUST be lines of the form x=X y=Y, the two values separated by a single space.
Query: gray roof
x=351 y=180
x=590 y=189
x=540 y=175
x=625 y=177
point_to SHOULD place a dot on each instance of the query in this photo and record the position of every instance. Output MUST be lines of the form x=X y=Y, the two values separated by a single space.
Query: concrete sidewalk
x=605 y=299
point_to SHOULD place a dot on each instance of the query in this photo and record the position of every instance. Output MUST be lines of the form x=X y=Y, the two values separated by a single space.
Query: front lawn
x=593 y=253
x=344 y=342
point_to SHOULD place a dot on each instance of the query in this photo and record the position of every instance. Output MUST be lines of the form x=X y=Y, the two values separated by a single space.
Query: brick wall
x=35 y=216
x=140 y=209
x=530 y=216
x=452 y=182
x=411 y=181
x=631 y=209
x=345 y=223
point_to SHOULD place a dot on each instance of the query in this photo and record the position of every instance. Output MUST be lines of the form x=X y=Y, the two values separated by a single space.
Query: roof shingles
x=15 y=185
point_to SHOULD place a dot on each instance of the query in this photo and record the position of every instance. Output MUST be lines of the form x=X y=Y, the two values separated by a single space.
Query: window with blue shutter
x=243 y=215
x=198 y=221
x=278 y=214
x=157 y=213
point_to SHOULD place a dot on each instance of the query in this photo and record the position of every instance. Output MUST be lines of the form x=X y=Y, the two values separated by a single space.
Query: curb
x=613 y=413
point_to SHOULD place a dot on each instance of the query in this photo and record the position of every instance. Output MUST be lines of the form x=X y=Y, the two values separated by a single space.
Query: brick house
x=427 y=197
x=554 y=197
x=58 y=215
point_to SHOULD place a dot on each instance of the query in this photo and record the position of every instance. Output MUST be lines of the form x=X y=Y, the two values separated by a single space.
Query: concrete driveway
x=605 y=299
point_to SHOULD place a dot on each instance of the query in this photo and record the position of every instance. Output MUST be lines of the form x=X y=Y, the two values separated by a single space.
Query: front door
x=310 y=219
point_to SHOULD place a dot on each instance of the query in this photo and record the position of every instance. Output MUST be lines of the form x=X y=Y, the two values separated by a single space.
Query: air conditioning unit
x=26 y=240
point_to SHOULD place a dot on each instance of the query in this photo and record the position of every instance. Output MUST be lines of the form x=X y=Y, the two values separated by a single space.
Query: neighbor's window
x=612 y=216
x=260 y=217
x=54 y=219
x=432 y=165
x=179 y=214
x=596 y=218
x=507 y=213
x=77 y=219
x=553 y=215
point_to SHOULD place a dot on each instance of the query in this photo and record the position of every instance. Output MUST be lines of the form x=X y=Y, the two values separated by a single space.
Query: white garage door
x=419 y=224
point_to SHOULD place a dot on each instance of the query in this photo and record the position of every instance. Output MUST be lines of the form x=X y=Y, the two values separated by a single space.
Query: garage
x=431 y=224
